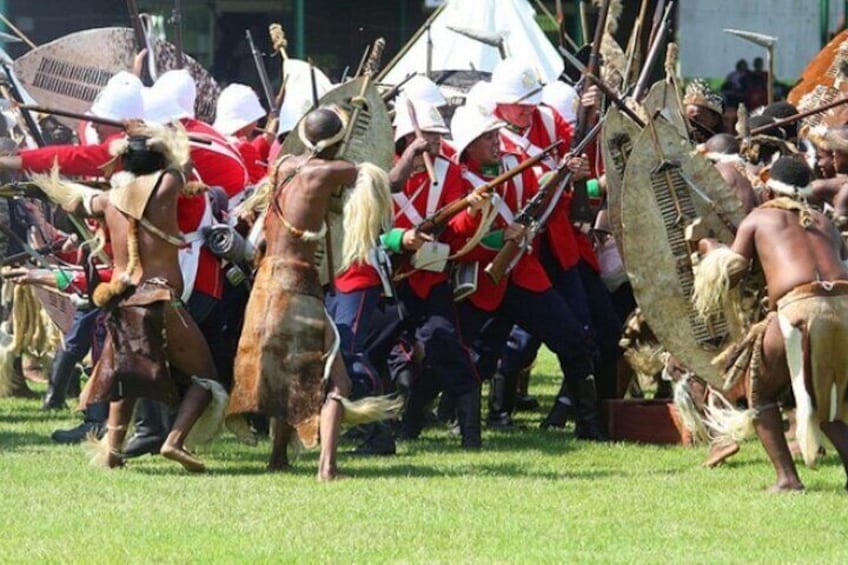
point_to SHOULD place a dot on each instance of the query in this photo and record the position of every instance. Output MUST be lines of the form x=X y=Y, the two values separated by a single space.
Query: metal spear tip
x=759 y=38
x=492 y=39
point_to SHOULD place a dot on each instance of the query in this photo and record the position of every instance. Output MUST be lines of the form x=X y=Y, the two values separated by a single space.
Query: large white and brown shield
x=617 y=137
x=69 y=72
x=667 y=194
x=370 y=141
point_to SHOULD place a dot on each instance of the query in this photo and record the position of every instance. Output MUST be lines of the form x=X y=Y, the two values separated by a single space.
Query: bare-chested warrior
x=154 y=349
x=282 y=367
x=804 y=337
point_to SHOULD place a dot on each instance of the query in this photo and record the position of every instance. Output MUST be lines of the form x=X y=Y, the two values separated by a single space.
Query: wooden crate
x=645 y=421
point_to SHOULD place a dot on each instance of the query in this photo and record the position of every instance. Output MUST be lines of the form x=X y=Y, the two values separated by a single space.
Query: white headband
x=788 y=189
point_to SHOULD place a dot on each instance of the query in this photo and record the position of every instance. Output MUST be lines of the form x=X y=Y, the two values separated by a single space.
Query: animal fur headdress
x=170 y=141
x=699 y=93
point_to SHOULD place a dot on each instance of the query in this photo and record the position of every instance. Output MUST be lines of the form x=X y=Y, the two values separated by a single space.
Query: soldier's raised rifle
x=536 y=211
x=443 y=215
x=259 y=61
x=581 y=211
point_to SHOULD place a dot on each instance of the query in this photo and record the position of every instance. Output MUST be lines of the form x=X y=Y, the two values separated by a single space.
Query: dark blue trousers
x=432 y=325
x=351 y=312
x=545 y=315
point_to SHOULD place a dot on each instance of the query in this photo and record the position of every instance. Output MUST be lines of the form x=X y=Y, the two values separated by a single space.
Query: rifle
x=94 y=119
x=581 y=211
x=23 y=256
x=605 y=88
x=530 y=216
x=443 y=215
x=653 y=55
x=140 y=39
x=177 y=19
x=263 y=75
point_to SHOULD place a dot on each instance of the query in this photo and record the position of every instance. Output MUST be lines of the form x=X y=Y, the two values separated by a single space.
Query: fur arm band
x=713 y=280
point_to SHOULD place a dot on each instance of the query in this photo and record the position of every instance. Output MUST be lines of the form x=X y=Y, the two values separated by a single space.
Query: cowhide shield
x=657 y=207
x=370 y=141
x=822 y=70
x=663 y=98
x=69 y=72
x=618 y=134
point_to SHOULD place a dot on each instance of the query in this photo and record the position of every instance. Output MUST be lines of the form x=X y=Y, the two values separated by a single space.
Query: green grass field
x=529 y=496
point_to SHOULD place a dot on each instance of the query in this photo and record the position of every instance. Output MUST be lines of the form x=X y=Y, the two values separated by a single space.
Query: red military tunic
x=566 y=244
x=528 y=272
x=421 y=199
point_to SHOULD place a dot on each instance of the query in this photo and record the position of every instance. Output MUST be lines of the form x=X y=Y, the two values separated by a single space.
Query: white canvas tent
x=452 y=51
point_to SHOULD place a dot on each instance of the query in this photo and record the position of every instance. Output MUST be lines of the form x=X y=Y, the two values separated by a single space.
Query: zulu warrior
x=801 y=254
x=283 y=369
x=154 y=349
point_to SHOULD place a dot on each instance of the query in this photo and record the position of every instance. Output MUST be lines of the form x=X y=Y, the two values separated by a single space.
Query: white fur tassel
x=689 y=415
x=713 y=275
x=369 y=409
x=97 y=450
x=209 y=424
x=727 y=423
x=62 y=191
x=806 y=424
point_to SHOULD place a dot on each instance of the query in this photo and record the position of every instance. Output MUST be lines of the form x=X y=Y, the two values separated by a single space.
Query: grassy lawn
x=529 y=496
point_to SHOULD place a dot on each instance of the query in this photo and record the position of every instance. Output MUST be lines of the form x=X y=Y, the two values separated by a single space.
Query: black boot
x=589 y=425
x=501 y=399
x=95 y=423
x=562 y=410
x=468 y=414
x=150 y=430
x=421 y=395
x=61 y=374
x=524 y=402
x=378 y=441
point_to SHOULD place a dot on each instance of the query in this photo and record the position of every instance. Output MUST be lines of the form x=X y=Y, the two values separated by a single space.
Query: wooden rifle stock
x=499 y=266
x=448 y=211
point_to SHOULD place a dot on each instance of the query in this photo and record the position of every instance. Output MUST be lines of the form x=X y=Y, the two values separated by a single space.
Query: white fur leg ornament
x=713 y=292
x=368 y=409
x=209 y=424
x=689 y=415
x=807 y=426
x=728 y=424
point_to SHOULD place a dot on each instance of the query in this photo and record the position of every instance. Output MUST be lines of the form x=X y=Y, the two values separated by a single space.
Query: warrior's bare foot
x=331 y=475
x=183 y=457
x=785 y=486
x=115 y=460
x=720 y=453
